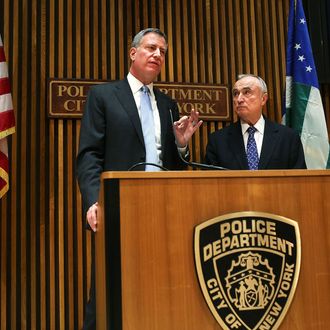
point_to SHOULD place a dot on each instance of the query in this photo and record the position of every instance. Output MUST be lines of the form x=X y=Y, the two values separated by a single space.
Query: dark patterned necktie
x=251 y=149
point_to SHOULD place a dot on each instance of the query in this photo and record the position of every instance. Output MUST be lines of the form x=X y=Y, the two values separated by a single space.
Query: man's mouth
x=154 y=63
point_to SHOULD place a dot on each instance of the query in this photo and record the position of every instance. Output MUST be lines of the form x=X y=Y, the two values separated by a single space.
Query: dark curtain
x=318 y=18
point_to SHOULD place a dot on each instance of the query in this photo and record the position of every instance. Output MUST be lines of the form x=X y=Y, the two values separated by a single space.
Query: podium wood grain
x=158 y=213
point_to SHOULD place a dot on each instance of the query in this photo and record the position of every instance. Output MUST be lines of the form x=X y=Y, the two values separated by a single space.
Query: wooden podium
x=145 y=270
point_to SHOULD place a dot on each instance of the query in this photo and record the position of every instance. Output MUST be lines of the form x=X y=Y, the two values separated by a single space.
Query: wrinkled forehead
x=247 y=83
x=153 y=39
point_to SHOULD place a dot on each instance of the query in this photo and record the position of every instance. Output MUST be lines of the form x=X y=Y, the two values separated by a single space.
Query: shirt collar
x=259 y=125
x=136 y=84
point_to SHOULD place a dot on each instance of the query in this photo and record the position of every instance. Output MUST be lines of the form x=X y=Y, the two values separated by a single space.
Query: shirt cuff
x=184 y=151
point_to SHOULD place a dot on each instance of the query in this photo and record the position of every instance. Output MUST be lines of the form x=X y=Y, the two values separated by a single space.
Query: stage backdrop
x=45 y=250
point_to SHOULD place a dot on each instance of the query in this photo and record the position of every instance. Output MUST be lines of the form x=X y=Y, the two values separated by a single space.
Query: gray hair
x=138 y=37
x=262 y=83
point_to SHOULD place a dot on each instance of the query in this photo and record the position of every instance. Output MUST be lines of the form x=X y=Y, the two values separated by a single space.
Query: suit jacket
x=111 y=137
x=281 y=148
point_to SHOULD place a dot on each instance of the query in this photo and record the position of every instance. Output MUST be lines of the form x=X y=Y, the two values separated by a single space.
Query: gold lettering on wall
x=67 y=98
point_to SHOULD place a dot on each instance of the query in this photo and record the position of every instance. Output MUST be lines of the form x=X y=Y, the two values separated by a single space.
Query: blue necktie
x=148 y=128
x=251 y=149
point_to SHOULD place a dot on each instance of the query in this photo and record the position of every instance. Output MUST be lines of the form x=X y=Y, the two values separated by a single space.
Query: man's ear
x=264 y=99
x=132 y=53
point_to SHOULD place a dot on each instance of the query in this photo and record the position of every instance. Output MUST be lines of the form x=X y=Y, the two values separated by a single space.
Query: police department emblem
x=248 y=265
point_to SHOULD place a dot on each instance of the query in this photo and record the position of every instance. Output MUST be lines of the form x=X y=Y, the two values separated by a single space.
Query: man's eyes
x=154 y=48
x=245 y=92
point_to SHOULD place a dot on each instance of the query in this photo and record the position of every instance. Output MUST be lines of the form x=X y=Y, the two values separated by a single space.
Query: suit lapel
x=236 y=144
x=126 y=98
x=268 y=144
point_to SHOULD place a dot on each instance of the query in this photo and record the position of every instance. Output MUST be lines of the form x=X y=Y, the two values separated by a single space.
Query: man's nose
x=240 y=97
x=157 y=52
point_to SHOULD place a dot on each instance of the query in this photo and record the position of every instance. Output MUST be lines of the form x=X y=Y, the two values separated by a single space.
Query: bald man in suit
x=278 y=146
x=111 y=134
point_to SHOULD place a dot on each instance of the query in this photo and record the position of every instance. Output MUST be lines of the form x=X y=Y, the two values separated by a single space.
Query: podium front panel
x=146 y=276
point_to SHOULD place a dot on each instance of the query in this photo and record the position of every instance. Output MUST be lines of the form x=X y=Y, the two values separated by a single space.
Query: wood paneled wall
x=45 y=249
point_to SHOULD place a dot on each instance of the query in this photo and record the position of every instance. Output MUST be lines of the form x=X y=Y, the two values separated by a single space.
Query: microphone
x=194 y=164
x=145 y=163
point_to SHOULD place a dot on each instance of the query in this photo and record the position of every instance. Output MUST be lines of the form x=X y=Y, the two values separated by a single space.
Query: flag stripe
x=3 y=69
x=314 y=139
x=2 y=52
x=6 y=102
x=4 y=86
x=7 y=123
x=301 y=94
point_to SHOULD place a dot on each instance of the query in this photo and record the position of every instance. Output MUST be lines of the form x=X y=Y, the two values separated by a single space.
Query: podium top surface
x=211 y=174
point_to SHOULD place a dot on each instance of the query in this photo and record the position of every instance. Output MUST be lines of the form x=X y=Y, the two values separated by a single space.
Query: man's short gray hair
x=138 y=37
x=261 y=81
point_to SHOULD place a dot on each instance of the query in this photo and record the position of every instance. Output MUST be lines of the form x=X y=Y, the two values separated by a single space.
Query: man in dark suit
x=277 y=146
x=112 y=137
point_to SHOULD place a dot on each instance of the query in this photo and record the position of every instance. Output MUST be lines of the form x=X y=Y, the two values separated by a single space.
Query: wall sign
x=67 y=98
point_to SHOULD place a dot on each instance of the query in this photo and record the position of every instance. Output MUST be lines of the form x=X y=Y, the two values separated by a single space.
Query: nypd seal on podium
x=248 y=266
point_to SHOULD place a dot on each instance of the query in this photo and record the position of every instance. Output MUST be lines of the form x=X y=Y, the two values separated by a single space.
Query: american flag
x=7 y=121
